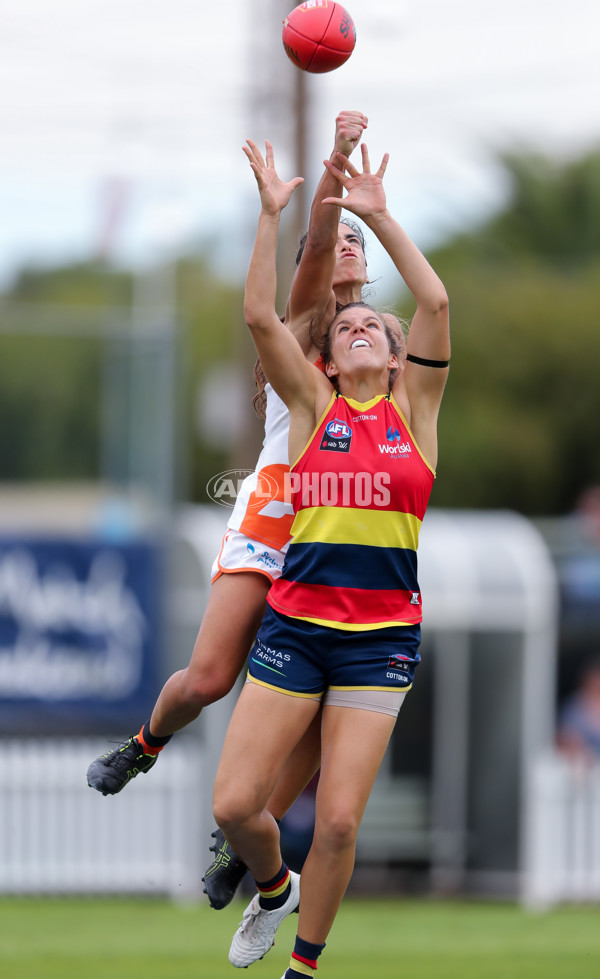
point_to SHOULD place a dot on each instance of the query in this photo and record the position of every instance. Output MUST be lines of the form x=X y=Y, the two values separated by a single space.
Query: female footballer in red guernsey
x=342 y=628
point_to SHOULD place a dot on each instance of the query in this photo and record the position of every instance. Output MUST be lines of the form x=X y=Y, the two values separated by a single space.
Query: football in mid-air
x=319 y=35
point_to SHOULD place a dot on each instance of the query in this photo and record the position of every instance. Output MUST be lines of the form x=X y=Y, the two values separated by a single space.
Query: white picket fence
x=562 y=836
x=57 y=835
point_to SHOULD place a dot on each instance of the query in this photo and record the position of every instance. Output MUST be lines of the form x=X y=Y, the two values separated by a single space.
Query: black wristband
x=426 y=363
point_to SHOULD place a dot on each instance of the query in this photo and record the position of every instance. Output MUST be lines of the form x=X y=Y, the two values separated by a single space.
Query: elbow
x=320 y=240
x=252 y=317
x=432 y=299
x=436 y=307
x=439 y=304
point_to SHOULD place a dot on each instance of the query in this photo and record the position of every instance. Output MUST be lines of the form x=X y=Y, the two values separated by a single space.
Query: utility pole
x=279 y=108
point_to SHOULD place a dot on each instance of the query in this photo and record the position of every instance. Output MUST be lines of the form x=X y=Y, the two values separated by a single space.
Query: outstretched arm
x=429 y=337
x=311 y=290
x=281 y=357
x=366 y=198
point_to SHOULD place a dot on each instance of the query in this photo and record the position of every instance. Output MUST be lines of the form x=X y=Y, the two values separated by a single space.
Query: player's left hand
x=365 y=193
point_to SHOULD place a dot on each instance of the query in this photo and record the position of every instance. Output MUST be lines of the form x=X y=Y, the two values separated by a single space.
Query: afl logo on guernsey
x=337 y=436
x=338 y=429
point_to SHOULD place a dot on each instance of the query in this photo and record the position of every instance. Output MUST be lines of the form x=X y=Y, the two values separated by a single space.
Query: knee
x=338 y=829
x=230 y=811
x=201 y=688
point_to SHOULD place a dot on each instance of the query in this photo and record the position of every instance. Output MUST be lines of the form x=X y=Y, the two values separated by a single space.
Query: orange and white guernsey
x=261 y=511
x=359 y=490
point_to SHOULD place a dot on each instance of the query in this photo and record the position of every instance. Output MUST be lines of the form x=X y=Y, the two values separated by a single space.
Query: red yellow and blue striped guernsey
x=359 y=490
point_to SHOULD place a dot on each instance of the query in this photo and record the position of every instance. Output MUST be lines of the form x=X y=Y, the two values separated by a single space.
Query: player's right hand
x=349 y=127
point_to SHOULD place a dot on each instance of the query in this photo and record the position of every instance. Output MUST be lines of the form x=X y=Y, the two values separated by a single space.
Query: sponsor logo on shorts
x=399 y=668
x=400 y=677
x=269 y=658
x=270 y=562
x=415 y=598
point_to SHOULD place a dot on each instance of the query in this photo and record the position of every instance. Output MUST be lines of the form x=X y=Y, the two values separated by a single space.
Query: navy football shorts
x=306 y=660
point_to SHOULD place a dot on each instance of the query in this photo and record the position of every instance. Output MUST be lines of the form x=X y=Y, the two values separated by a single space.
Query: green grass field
x=124 y=939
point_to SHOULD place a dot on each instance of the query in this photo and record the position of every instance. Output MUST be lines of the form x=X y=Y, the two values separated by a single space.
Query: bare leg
x=353 y=746
x=219 y=653
x=298 y=770
x=264 y=730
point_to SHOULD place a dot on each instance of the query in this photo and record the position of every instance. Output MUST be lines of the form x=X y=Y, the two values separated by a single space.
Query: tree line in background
x=519 y=423
x=518 y=427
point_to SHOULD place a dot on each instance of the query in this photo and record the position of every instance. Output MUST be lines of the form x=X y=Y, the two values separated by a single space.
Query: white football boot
x=256 y=933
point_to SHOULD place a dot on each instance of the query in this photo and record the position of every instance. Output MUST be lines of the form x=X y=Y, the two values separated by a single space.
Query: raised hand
x=365 y=193
x=349 y=127
x=274 y=192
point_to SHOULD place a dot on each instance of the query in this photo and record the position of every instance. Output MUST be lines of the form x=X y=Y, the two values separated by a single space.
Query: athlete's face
x=350 y=263
x=358 y=341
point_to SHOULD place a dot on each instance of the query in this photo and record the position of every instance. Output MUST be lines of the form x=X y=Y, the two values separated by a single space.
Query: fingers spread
x=383 y=165
x=348 y=166
x=335 y=170
x=365 y=158
x=253 y=153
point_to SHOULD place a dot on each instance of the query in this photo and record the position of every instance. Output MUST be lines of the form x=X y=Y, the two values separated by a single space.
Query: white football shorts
x=241 y=553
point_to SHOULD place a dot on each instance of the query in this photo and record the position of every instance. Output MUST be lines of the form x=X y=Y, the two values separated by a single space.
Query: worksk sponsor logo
x=394 y=446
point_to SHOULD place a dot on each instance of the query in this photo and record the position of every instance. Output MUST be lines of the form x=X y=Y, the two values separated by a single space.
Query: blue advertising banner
x=80 y=629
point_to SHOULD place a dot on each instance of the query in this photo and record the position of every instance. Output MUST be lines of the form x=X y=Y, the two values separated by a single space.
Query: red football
x=319 y=35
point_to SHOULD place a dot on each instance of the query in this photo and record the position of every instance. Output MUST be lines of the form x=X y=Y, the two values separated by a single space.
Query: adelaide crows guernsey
x=359 y=491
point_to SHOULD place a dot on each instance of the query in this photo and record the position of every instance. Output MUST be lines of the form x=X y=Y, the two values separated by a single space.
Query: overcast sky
x=142 y=107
